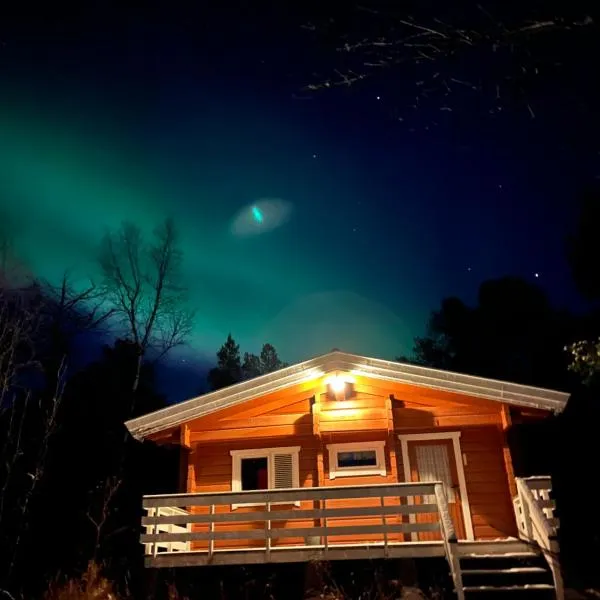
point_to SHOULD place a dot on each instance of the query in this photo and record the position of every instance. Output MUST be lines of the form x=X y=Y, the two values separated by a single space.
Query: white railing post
x=156 y=530
x=541 y=531
x=449 y=537
x=149 y=530
x=525 y=510
x=268 y=533
x=325 y=534
x=384 y=523
x=211 y=531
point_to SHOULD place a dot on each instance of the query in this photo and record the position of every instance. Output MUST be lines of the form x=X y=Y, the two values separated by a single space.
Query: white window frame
x=268 y=453
x=379 y=469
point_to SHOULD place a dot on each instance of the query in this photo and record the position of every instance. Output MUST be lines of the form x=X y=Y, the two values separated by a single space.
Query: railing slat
x=169 y=527
x=289 y=515
x=290 y=532
x=288 y=496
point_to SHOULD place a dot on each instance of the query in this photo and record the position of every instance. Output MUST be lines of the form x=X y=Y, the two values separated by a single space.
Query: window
x=265 y=469
x=362 y=458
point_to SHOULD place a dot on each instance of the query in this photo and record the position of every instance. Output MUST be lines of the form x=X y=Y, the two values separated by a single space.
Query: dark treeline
x=71 y=478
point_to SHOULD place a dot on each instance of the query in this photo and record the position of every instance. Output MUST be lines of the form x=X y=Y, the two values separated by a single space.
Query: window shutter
x=283 y=471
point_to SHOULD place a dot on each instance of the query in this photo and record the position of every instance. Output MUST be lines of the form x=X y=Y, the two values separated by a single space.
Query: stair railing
x=536 y=527
x=450 y=540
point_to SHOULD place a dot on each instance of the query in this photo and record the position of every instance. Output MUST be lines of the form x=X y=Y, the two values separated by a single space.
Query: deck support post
x=384 y=523
x=325 y=534
x=211 y=529
x=268 y=534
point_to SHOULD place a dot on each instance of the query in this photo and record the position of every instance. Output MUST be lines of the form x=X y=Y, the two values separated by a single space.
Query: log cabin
x=349 y=457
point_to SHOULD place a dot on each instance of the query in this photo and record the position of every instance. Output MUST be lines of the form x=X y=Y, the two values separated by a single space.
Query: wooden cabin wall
x=285 y=419
x=213 y=472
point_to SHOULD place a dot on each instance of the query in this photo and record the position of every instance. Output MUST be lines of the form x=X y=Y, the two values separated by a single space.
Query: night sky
x=114 y=112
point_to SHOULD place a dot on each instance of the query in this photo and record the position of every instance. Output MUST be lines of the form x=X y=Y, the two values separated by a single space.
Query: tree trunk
x=138 y=370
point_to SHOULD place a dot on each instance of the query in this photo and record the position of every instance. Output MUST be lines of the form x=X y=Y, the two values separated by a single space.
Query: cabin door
x=435 y=460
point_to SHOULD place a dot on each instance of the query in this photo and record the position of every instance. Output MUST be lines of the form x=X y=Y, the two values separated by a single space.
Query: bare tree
x=48 y=424
x=444 y=56
x=141 y=283
x=98 y=515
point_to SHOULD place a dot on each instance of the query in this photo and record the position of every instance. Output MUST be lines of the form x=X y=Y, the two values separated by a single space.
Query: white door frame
x=460 y=470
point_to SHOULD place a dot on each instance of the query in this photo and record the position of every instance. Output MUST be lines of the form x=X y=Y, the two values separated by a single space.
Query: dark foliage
x=230 y=369
x=582 y=245
x=513 y=333
x=71 y=478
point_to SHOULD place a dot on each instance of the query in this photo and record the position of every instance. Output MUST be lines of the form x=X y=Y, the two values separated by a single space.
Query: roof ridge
x=471 y=385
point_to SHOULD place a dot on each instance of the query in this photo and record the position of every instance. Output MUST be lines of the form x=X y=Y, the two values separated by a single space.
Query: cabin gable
x=374 y=418
x=343 y=453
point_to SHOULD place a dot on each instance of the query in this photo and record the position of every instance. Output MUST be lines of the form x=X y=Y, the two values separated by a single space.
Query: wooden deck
x=339 y=523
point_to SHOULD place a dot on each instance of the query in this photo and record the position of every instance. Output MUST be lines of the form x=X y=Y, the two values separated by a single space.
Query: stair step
x=505 y=555
x=507 y=588
x=505 y=571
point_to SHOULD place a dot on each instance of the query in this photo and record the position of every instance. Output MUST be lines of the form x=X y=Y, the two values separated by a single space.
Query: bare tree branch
x=141 y=282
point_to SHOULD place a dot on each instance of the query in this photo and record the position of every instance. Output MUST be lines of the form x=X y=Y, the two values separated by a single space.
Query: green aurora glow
x=63 y=181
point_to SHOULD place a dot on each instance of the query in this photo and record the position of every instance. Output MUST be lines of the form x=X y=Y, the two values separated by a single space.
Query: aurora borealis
x=104 y=121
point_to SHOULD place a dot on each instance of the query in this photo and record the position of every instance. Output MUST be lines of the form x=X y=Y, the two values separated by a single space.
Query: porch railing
x=327 y=516
x=534 y=510
x=169 y=546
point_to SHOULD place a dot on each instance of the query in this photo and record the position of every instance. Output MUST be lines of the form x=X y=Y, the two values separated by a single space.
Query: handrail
x=450 y=540
x=538 y=527
x=288 y=494
x=376 y=511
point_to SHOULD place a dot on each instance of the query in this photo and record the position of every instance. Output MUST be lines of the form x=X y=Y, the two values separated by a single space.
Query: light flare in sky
x=261 y=216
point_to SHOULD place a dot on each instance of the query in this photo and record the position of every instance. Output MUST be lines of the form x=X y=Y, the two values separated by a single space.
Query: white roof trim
x=480 y=387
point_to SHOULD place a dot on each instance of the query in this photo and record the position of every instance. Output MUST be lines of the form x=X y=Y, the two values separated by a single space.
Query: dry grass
x=92 y=585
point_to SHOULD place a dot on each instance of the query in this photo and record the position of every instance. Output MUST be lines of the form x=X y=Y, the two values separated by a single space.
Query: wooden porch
x=402 y=520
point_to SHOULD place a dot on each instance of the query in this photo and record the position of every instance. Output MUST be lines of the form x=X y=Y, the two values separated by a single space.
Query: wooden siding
x=374 y=410
x=487 y=483
x=213 y=471
x=391 y=476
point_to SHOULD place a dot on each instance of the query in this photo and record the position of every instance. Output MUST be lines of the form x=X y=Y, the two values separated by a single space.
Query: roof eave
x=490 y=389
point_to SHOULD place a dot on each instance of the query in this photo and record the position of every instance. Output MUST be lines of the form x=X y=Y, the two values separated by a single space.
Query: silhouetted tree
x=513 y=333
x=229 y=368
x=251 y=366
x=269 y=359
x=267 y=362
x=90 y=499
x=141 y=283
x=582 y=253
x=582 y=245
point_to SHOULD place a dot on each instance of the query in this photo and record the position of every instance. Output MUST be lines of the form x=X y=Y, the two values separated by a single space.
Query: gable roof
x=480 y=387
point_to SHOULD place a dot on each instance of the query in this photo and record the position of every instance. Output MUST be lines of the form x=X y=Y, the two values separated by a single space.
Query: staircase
x=513 y=569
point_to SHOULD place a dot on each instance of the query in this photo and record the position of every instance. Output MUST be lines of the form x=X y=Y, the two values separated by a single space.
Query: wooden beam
x=185 y=436
x=191 y=471
x=227 y=435
x=390 y=414
x=344 y=492
x=508 y=463
x=296 y=554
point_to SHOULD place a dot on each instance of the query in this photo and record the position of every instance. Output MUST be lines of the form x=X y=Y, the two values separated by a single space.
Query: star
x=378 y=97
x=314 y=156
x=536 y=275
